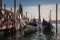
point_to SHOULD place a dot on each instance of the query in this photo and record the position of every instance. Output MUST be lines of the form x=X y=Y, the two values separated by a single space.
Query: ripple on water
x=33 y=36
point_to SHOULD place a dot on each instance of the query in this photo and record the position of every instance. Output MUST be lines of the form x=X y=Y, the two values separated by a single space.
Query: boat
x=47 y=26
x=28 y=26
x=33 y=22
x=31 y=26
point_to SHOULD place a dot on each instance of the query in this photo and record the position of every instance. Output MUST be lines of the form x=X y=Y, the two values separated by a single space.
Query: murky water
x=39 y=35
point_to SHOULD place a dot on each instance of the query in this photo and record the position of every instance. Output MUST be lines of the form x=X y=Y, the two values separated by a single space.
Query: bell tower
x=21 y=10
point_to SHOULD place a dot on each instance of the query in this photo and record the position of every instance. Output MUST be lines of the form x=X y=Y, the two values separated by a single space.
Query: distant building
x=21 y=10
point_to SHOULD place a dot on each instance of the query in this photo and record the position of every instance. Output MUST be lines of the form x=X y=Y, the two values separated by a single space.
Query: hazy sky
x=31 y=2
x=31 y=6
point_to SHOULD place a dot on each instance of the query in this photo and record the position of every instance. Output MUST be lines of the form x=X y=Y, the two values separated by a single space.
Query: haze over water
x=31 y=6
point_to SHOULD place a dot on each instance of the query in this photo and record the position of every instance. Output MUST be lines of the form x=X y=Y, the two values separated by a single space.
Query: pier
x=7 y=20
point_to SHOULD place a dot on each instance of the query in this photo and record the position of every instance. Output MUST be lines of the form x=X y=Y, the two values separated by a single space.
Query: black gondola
x=33 y=23
x=47 y=26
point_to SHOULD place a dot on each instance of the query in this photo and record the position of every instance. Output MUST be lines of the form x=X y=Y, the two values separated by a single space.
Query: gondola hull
x=47 y=26
x=47 y=29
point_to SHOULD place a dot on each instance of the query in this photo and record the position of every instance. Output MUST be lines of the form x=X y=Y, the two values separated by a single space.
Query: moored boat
x=31 y=27
x=47 y=26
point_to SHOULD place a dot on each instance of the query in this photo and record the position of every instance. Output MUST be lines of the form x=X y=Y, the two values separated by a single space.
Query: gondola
x=47 y=26
x=33 y=23
x=31 y=26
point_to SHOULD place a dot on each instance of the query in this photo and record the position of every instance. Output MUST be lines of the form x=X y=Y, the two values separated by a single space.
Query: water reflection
x=7 y=37
x=32 y=36
x=49 y=36
x=39 y=35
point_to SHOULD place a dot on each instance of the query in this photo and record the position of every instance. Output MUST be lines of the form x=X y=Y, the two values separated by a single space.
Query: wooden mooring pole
x=14 y=13
x=0 y=13
x=39 y=21
x=50 y=16
x=26 y=14
x=56 y=20
x=0 y=4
